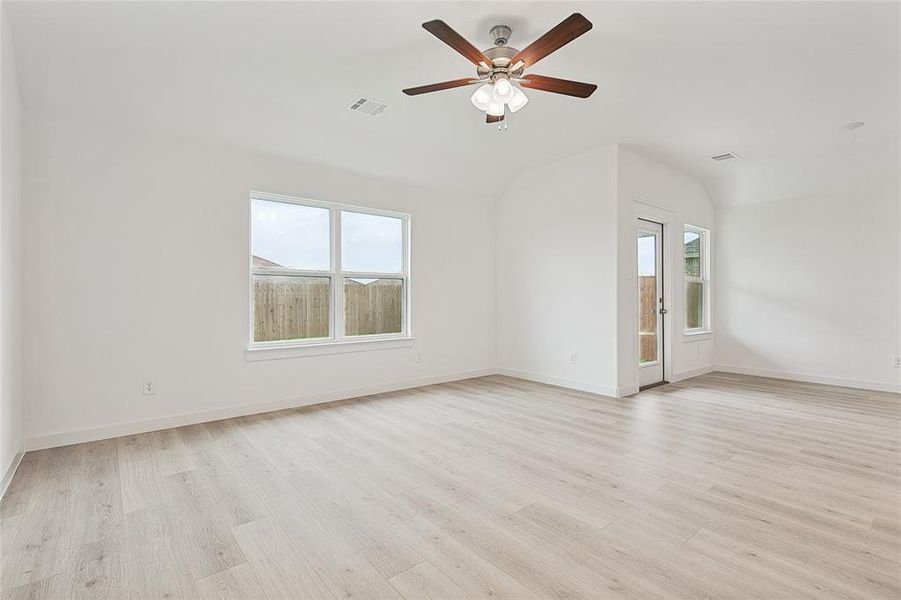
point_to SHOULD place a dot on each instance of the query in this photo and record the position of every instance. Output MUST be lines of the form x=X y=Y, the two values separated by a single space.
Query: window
x=695 y=252
x=325 y=272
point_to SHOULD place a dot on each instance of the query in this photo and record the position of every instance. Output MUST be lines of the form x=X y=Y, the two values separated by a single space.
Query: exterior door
x=650 y=303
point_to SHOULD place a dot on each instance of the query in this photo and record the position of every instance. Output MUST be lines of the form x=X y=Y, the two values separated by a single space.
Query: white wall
x=11 y=396
x=556 y=253
x=809 y=284
x=136 y=266
x=567 y=269
x=654 y=191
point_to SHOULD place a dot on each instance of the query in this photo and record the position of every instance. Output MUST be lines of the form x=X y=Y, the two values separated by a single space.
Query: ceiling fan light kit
x=500 y=69
x=482 y=96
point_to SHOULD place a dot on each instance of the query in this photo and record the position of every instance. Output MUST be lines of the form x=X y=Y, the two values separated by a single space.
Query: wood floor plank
x=96 y=498
x=472 y=572
x=54 y=587
x=557 y=574
x=217 y=483
x=206 y=541
x=96 y=570
x=425 y=582
x=360 y=531
x=25 y=485
x=280 y=568
x=348 y=570
x=236 y=583
x=40 y=548
x=171 y=454
x=140 y=477
x=251 y=466
x=784 y=575
x=152 y=563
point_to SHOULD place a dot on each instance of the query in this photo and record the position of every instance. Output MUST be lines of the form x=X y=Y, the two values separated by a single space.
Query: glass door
x=650 y=303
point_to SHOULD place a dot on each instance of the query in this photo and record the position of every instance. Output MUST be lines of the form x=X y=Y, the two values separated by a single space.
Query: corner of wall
x=654 y=190
x=549 y=333
x=11 y=339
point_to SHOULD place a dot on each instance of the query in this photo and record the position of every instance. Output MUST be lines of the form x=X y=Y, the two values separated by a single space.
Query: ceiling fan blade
x=443 y=32
x=566 y=31
x=437 y=87
x=493 y=119
x=558 y=86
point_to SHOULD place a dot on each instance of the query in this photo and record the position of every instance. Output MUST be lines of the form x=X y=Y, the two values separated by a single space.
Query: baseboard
x=11 y=471
x=101 y=433
x=111 y=431
x=572 y=384
x=688 y=374
x=877 y=386
x=615 y=392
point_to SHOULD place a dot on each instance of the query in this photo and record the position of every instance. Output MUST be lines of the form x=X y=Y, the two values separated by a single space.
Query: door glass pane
x=694 y=304
x=371 y=243
x=289 y=235
x=373 y=306
x=647 y=297
x=290 y=308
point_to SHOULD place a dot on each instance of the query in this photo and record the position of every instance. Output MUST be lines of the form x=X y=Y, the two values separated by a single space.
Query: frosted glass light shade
x=482 y=96
x=496 y=109
x=502 y=89
x=517 y=99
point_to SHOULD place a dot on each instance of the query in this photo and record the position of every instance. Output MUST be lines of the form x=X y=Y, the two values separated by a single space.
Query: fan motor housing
x=500 y=59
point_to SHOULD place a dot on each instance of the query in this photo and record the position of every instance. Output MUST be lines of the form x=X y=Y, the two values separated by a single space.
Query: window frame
x=336 y=278
x=703 y=279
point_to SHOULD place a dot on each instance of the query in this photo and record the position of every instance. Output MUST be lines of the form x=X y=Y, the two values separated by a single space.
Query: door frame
x=666 y=218
x=660 y=290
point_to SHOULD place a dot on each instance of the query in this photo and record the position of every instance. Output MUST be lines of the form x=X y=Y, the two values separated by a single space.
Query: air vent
x=368 y=106
x=726 y=156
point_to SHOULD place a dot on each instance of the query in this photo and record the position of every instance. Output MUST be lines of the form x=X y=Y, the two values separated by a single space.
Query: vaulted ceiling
x=680 y=82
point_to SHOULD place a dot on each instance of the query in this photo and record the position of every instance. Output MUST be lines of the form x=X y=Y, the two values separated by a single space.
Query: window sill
x=255 y=353
x=697 y=336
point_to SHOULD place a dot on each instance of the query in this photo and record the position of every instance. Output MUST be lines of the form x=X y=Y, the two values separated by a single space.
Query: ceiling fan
x=500 y=69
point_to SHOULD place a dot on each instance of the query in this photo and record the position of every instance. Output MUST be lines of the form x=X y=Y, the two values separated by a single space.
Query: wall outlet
x=897 y=362
x=149 y=388
x=573 y=358
x=419 y=357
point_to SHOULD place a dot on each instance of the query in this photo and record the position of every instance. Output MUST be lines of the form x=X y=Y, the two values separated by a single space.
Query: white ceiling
x=677 y=81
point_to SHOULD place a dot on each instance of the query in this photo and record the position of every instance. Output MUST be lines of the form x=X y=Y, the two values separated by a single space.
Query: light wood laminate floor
x=723 y=486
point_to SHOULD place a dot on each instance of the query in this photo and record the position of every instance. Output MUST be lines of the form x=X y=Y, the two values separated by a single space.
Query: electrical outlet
x=418 y=357
x=149 y=387
x=897 y=362
x=573 y=358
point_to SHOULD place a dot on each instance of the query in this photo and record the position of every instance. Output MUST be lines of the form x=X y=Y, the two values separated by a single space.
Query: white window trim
x=706 y=330
x=337 y=342
x=262 y=352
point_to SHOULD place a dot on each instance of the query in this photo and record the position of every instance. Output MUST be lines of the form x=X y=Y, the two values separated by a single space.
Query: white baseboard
x=11 y=471
x=689 y=373
x=811 y=378
x=627 y=391
x=572 y=384
x=102 y=433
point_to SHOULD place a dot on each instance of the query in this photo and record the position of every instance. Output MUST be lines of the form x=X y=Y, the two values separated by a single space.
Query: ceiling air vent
x=726 y=156
x=368 y=106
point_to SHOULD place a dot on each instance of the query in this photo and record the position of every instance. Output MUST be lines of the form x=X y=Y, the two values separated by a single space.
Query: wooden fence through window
x=290 y=308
